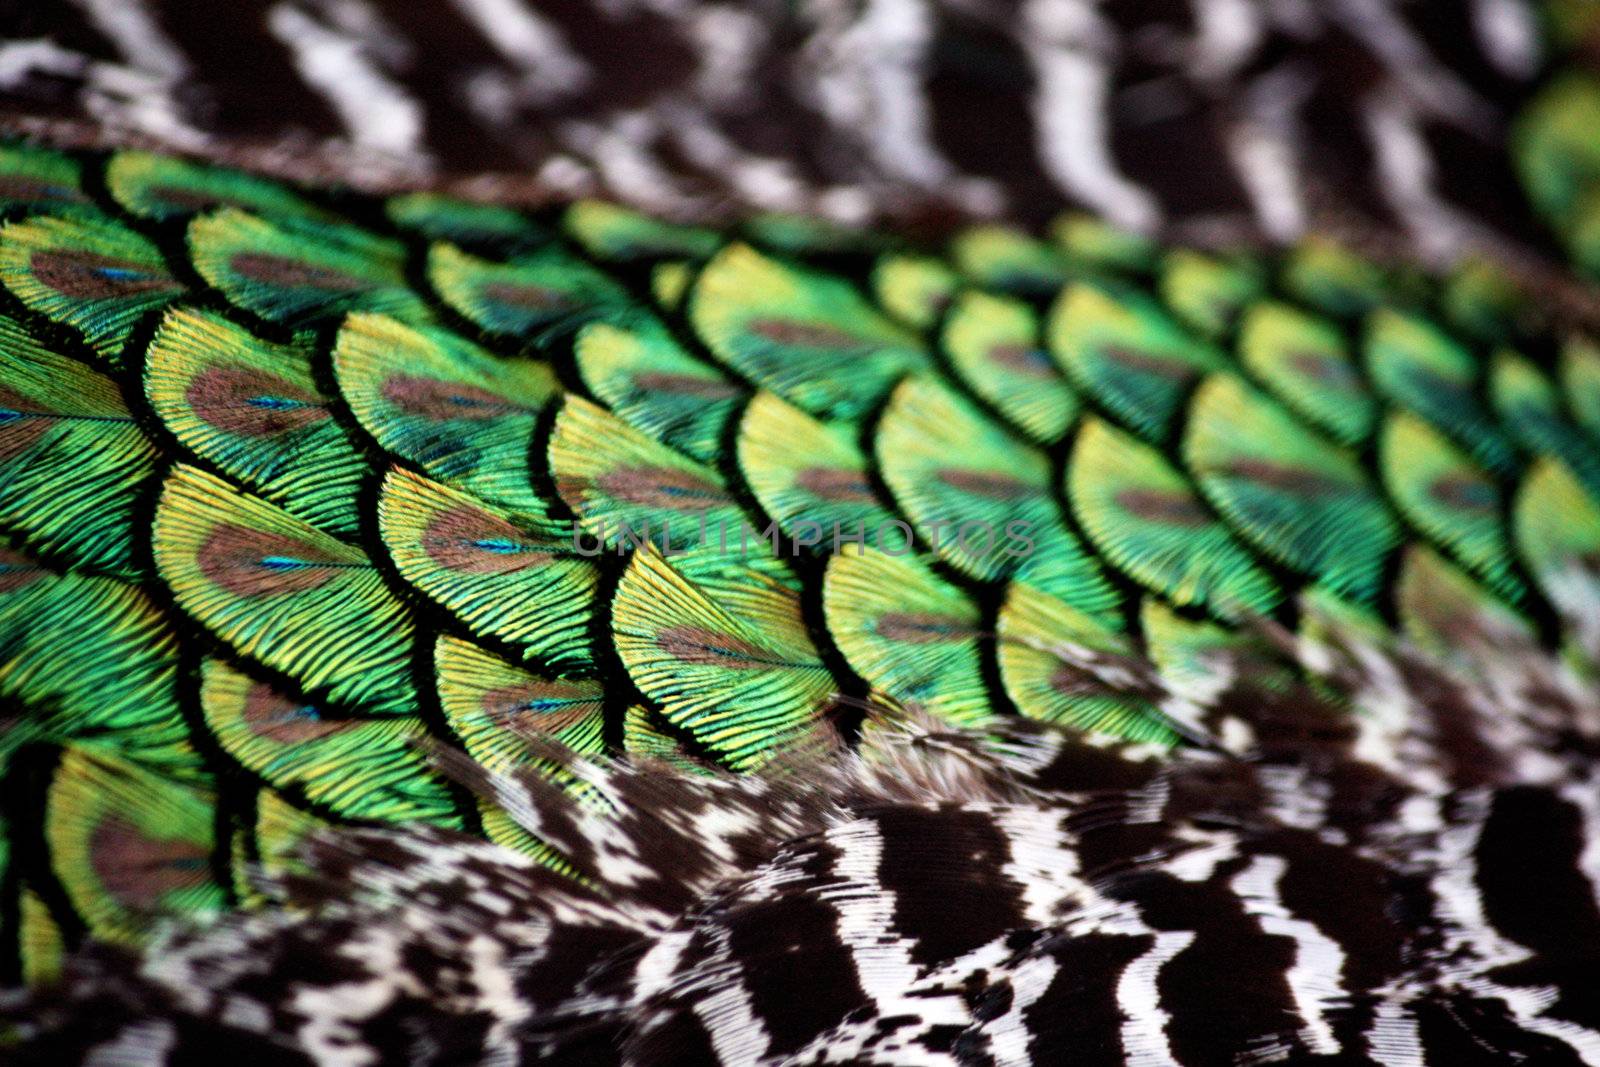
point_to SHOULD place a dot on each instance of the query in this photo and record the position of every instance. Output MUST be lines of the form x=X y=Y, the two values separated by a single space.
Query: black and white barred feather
x=1202 y=116
x=1392 y=862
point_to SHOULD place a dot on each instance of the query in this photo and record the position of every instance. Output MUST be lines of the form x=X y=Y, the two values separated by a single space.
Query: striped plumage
x=573 y=634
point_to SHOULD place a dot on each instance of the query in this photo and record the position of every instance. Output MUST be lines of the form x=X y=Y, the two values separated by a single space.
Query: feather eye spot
x=252 y=403
x=286 y=271
x=467 y=540
x=661 y=487
x=283 y=721
x=808 y=335
x=985 y=483
x=138 y=869
x=707 y=648
x=1023 y=359
x=1169 y=508
x=923 y=628
x=253 y=563
x=439 y=401
x=89 y=276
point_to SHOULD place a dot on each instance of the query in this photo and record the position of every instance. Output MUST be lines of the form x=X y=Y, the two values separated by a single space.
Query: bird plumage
x=432 y=631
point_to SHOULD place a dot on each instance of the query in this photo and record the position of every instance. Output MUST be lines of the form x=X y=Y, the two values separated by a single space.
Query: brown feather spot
x=1171 y=508
x=1023 y=359
x=522 y=705
x=985 y=483
x=439 y=400
x=807 y=334
x=1464 y=492
x=831 y=483
x=192 y=200
x=1324 y=369
x=923 y=628
x=137 y=870
x=252 y=403
x=1148 y=363
x=703 y=647
x=661 y=487
x=1285 y=479
x=22 y=429
x=16 y=187
x=90 y=276
x=472 y=541
x=18 y=571
x=686 y=385
x=527 y=297
x=281 y=720
x=287 y=271
x=253 y=563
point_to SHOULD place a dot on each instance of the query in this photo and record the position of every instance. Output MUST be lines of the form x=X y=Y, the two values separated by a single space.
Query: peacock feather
x=433 y=630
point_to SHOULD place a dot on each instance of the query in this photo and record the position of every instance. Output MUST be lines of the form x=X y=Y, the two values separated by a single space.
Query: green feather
x=669 y=283
x=1303 y=360
x=1527 y=403
x=808 y=337
x=442 y=403
x=358 y=769
x=1416 y=365
x=1444 y=612
x=36 y=178
x=1123 y=352
x=648 y=380
x=165 y=187
x=496 y=707
x=284 y=594
x=993 y=345
x=981 y=497
x=92 y=659
x=88 y=273
x=435 y=217
x=1447 y=496
x=515 y=578
x=298 y=272
x=1558 y=159
x=1556 y=527
x=252 y=409
x=1332 y=279
x=1099 y=245
x=615 y=234
x=803 y=471
x=732 y=666
x=1296 y=496
x=911 y=635
x=627 y=489
x=1149 y=522
x=73 y=462
x=1045 y=686
x=800 y=235
x=529 y=296
x=1209 y=293
x=129 y=846
x=913 y=289
x=999 y=257
x=1580 y=381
